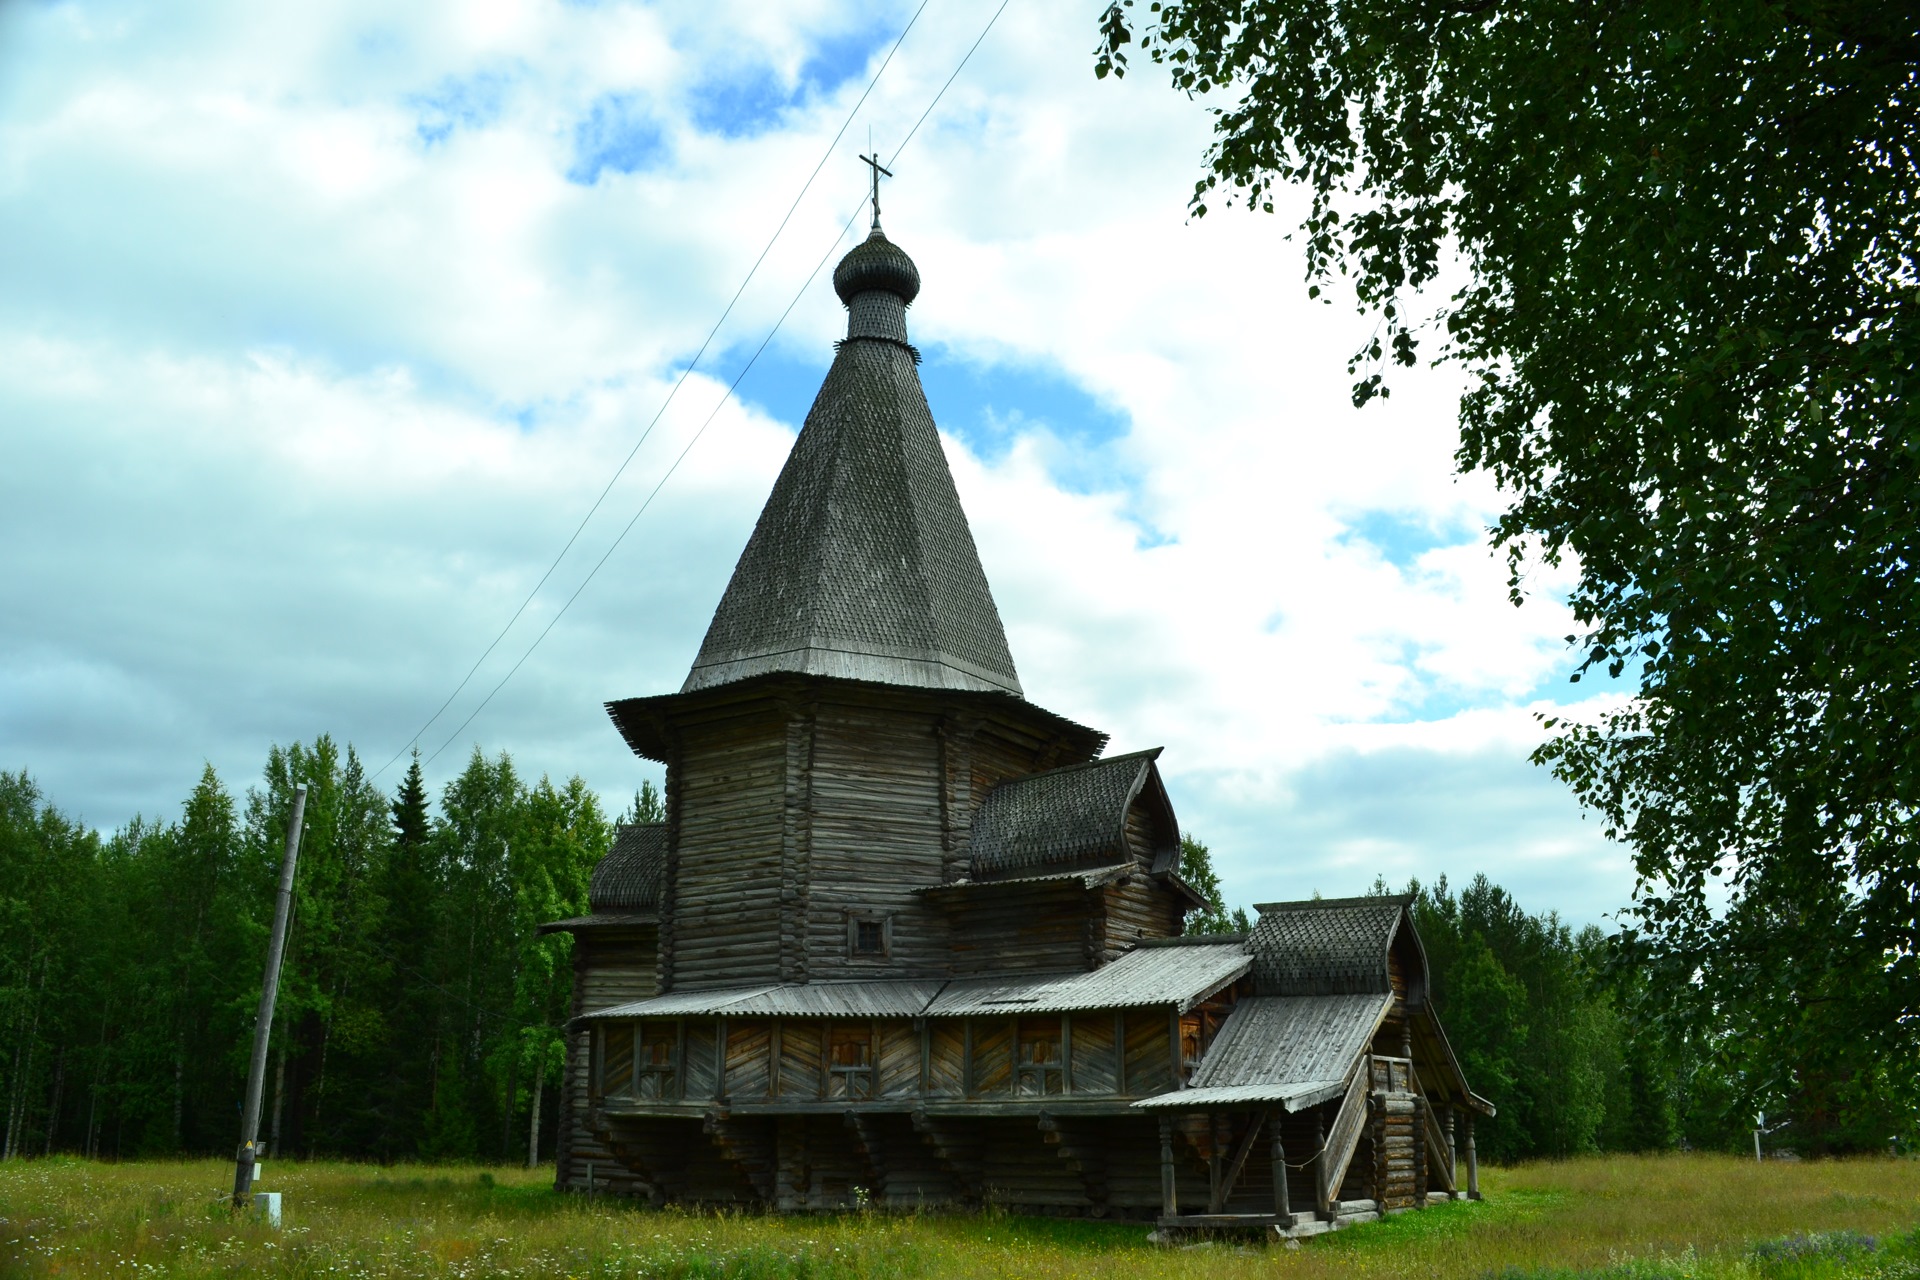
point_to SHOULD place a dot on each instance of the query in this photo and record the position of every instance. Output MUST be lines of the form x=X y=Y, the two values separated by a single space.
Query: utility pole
x=263 y=1021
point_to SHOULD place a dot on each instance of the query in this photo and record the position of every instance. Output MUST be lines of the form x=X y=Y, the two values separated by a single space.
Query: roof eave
x=644 y=722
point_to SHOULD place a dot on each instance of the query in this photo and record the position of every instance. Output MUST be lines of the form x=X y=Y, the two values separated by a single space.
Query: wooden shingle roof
x=862 y=565
x=1060 y=820
x=1326 y=946
x=628 y=878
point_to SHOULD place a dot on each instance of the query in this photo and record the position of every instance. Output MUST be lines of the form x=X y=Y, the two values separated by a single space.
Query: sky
x=323 y=327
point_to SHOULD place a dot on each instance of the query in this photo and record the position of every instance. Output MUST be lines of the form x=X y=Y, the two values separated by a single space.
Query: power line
x=727 y=395
x=671 y=393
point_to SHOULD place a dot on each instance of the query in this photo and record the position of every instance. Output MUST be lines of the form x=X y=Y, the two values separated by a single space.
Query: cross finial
x=879 y=171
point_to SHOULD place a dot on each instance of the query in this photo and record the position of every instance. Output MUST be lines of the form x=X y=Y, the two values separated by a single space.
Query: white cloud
x=317 y=342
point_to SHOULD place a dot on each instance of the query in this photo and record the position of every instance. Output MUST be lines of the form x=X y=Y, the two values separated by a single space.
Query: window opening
x=869 y=937
x=657 y=1053
x=850 y=1062
x=1039 y=1067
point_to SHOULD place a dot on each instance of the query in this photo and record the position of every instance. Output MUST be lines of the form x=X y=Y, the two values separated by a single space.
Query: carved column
x=1473 y=1161
x=1419 y=1151
x=1282 y=1210
x=1322 y=1193
x=1169 y=1188
x=1214 y=1143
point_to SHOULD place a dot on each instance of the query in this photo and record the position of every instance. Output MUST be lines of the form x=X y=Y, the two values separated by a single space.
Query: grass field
x=1625 y=1217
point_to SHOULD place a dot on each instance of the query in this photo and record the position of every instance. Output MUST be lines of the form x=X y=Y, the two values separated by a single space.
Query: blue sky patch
x=470 y=102
x=749 y=100
x=616 y=134
x=1402 y=539
x=985 y=406
x=839 y=58
x=740 y=105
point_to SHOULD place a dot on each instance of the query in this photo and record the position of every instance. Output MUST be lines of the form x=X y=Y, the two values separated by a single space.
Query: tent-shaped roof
x=862 y=565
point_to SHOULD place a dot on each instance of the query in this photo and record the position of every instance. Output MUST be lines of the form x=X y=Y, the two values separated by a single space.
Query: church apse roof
x=862 y=565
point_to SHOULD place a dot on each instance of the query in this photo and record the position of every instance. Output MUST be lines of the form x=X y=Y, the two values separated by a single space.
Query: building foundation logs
x=1229 y=1164
x=1102 y=1166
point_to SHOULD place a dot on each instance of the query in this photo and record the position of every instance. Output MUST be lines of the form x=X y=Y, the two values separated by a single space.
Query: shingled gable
x=628 y=878
x=862 y=565
x=1074 y=818
x=624 y=889
x=1329 y=946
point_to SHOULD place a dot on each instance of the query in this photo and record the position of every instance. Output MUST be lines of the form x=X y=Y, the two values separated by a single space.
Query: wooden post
x=263 y=1019
x=533 y=1136
x=1282 y=1210
x=1473 y=1163
x=1066 y=1053
x=1420 y=1179
x=1169 y=1189
x=1453 y=1151
x=1213 y=1162
x=1320 y=1188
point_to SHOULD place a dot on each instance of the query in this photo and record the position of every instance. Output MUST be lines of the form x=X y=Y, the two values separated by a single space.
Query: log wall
x=1035 y=927
x=876 y=836
x=608 y=969
x=729 y=837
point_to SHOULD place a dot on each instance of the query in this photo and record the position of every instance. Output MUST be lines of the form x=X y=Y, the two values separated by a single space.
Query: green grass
x=1625 y=1218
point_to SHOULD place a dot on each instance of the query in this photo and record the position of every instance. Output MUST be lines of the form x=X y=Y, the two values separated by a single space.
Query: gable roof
x=1326 y=946
x=1292 y=1050
x=862 y=565
x=1075 y=817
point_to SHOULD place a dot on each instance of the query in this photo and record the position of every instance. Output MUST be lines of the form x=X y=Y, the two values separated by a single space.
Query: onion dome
x=877 y=264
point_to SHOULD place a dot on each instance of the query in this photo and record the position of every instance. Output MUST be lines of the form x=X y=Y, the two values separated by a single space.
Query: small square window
x=869 y=936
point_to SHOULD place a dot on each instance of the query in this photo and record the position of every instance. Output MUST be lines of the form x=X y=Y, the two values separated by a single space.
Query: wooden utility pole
x=263 y=1021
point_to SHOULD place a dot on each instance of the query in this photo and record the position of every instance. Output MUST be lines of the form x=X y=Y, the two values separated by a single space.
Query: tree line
x=421 y=1011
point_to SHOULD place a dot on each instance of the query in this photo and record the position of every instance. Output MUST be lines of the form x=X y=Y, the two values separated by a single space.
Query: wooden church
x=906 y=938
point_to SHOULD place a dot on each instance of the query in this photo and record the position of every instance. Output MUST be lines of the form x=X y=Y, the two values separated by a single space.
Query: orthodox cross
x=879 y=171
